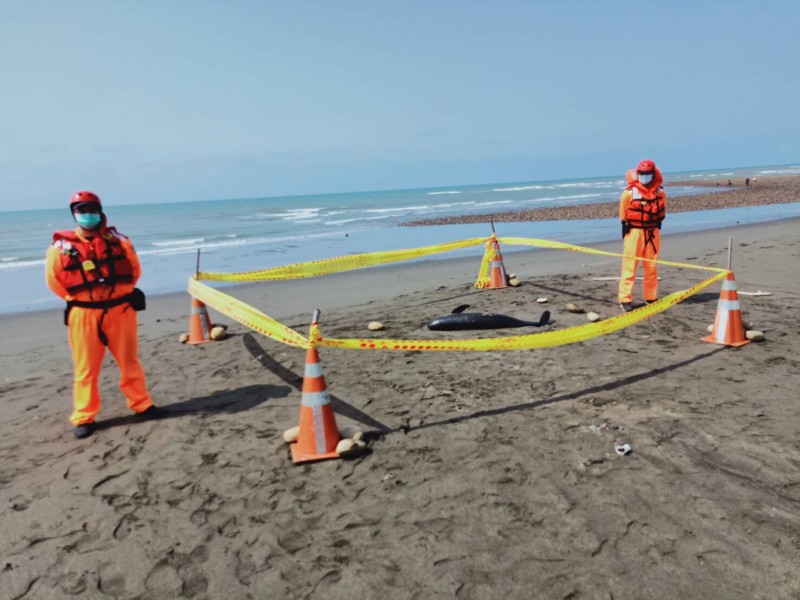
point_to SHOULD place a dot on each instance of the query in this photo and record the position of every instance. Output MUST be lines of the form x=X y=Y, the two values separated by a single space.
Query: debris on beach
x=376 y=326
x=513 y=282
x=623 y=449
x=755 y=336
x=541 y=300
x=593 y=316
x=183 y=338
x=573 y=308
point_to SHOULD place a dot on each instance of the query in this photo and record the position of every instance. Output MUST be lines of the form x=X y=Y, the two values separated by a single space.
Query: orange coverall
x=120 y=328
x=642 y=243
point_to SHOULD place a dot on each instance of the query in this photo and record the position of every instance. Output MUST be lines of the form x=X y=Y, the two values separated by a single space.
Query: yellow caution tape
x=514 y=241
x=266 y=325
x=339 y=264
x=370 y=259
x=533 y=340
x=246 y=315
x=489 y=255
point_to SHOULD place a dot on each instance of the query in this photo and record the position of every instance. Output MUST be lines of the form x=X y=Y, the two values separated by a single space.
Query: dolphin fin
x=459 y=309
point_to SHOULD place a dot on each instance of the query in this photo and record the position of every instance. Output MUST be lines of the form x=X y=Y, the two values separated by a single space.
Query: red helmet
x=84 y=197
x=646 y=166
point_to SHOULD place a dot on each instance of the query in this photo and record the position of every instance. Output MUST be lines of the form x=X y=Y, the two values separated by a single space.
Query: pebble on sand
x=593 y=316
x=573 y=308
x=513 y=282
x=755 y=336
x=541 y=300
x=375 y=326
x=345 y=445
x=348 y=448
x=184 y=337
x=218 y=333
x=290 y=435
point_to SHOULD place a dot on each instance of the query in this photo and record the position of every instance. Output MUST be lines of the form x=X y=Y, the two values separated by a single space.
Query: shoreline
x=379 y=283
x=762 y=191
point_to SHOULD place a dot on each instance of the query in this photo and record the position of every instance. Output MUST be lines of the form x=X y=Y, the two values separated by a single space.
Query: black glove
x=626 y=227
x=659 y=225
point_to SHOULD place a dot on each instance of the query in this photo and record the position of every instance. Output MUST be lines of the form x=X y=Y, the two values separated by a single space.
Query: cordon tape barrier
x=266 y=325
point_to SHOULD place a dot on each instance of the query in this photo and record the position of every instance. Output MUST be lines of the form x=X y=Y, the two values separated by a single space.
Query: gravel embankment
x=764 y=190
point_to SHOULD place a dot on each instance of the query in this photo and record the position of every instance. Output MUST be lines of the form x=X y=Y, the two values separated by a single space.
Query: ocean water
x=256 y=233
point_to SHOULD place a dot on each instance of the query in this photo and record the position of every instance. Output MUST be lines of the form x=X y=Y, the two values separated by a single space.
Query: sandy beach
x=490 y=475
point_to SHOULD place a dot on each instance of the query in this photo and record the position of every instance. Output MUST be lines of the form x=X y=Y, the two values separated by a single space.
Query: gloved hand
x=626 y=227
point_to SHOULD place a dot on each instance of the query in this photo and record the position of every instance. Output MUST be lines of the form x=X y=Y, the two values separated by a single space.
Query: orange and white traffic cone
x=492 y=274
x=498 y=278
x=728 y=327
x=199 y=324
x=318 y=434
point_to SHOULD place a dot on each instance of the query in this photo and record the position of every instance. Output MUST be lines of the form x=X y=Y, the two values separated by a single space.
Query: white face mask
x=645 y=178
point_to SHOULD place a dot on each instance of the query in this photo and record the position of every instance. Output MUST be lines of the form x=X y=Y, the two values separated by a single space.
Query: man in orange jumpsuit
x=95 y=268
x=642 y=208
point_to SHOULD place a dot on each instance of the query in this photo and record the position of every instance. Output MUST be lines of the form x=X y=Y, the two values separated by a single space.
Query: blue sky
x=169 y=100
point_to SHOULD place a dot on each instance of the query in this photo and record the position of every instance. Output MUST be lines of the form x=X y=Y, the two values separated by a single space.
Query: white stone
x=345 y=445
x=375 y=326
x=593 y=316
x=291 y=435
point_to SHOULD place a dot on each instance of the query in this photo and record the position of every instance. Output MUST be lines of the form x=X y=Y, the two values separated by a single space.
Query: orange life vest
x=88 y=264
x=648 y=205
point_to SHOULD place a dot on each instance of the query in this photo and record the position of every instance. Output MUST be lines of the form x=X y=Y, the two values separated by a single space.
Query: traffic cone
x=497 y=271
x=318 y=434
x=492 y=274
x=728 y=327
x=199 y=324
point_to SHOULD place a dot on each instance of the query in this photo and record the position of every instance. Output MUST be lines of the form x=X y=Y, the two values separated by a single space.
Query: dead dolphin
x=459 y=320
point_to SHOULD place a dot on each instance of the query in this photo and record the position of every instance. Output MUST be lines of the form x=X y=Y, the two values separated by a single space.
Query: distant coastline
x=782 y=189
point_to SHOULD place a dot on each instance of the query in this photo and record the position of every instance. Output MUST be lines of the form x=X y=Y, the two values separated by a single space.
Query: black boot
x=83 y=430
